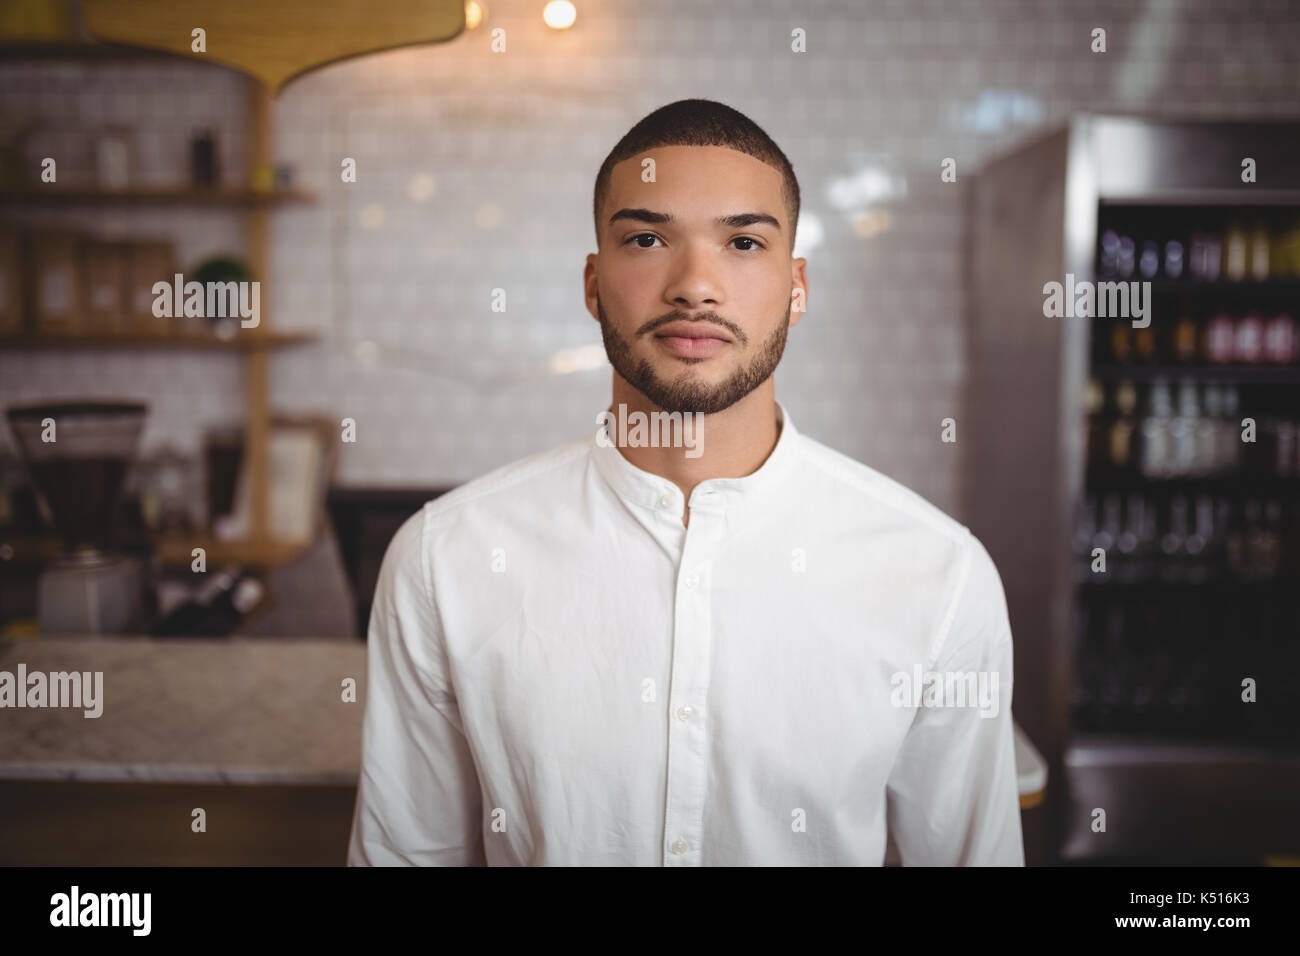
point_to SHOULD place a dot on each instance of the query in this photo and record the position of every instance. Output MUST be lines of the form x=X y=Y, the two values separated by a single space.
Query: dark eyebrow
x=737 y=221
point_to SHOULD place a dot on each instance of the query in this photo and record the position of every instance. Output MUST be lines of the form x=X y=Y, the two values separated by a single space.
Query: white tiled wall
x=476 y=172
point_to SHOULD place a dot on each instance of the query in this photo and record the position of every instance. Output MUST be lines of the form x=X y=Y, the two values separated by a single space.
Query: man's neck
x=731 y=443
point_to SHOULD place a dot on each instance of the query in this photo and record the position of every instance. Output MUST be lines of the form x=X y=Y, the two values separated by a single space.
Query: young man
x=736 y=647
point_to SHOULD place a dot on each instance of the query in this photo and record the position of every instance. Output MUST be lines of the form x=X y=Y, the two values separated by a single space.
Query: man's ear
x=798 y=290
x=590 y=288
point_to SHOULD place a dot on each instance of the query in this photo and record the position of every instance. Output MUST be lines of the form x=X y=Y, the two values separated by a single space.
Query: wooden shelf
x=178 y=550
x=154 y=195
x=253 y=347
x=172 y=550
x=243 y=341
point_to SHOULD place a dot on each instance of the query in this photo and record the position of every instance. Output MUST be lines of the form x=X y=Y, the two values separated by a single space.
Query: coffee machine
x=77 y=455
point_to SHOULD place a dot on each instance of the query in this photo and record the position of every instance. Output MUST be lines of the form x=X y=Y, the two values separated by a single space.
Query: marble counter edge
x=173 y=773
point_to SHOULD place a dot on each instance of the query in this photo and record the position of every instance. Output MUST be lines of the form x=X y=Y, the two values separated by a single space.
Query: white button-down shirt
x=560 y=672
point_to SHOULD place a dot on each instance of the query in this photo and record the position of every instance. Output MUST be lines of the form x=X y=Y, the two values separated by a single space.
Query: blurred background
x=208 y=526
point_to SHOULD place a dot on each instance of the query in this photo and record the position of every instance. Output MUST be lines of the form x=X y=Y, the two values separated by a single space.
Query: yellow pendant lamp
x=274 y=42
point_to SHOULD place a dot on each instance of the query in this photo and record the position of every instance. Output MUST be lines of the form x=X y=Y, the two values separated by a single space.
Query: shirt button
x=684 y=713
x=679 y=846
x=665 y=501
x=692 y=580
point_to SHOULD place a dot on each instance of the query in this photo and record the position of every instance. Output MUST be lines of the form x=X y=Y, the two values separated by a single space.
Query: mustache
x=711 y=318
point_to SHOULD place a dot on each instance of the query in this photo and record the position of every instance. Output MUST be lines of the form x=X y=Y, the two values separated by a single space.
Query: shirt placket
x=688 y=718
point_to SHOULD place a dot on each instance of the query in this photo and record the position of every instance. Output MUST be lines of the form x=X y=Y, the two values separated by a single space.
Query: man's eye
x=753 y=246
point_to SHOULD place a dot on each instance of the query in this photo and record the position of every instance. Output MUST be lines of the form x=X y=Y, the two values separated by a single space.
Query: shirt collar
x=647 y=490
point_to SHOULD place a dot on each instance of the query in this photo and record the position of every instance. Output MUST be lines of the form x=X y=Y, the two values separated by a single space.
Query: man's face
x=684 y=257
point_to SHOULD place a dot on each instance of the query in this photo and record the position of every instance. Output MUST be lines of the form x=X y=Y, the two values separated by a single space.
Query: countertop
x=231 y=710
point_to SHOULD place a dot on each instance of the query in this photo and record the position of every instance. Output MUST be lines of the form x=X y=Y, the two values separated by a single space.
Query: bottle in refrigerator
x=1144 y=343
x=1285 y=448
x=1121 y=342
x=1248 y=340
x=1174 y=259
x=1230 y=444
x=1206 y=433
x=1204 y=256
x=1185 y=339
x=1236 y=252
x=1219 y=340
x=1259 y=253
x=1108 y=262
x=1280 y=340
x=1122 y=431
x=1096 y=430
x=1155 y=435
x=1125 y=257
x=1183 y=429
x=1148 y=259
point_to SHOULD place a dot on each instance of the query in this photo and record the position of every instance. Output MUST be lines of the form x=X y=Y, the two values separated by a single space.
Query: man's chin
x=690 y=400
x=690 y=388
x=711 y=370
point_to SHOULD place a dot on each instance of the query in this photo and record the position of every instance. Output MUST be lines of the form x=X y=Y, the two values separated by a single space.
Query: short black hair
x=700 y=123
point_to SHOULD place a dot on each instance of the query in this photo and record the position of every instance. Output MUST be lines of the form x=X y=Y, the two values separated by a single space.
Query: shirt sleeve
x=952 y=795
x=418 y=796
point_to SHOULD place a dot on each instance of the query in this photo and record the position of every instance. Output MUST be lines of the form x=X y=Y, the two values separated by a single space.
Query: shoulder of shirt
x=972 y=577
x=507 y=478
x=877 y=488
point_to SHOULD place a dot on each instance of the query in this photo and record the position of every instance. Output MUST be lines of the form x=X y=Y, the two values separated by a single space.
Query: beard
x=685 y=394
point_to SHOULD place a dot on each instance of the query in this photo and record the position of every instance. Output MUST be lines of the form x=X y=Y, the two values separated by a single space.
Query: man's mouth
x=692 y=340
x=692 y=330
